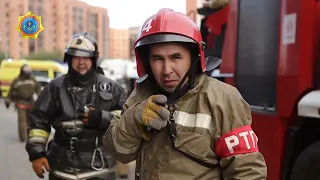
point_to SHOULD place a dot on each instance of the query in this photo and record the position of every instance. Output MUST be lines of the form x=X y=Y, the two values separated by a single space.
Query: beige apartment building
x=133 y=34
x=191 y=9
x=60 y=18
x=119 y=44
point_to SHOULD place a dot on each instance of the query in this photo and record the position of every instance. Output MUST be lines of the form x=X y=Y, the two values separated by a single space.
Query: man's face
x=81 y=64
x=169 y=63
x=26 y=69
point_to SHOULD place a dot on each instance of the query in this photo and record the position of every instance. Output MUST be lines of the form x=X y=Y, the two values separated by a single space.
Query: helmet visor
x=79 y=53
x=160 y=38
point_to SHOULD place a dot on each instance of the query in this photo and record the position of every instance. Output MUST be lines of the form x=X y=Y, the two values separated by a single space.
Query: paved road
x=13 y=157
x=14 y=161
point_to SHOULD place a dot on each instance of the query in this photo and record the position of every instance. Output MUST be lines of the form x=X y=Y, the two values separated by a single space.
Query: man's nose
x=167 y=67
x=81 y=61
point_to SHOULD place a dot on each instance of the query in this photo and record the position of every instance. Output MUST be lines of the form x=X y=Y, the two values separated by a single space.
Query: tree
x=44 y=55
x=2 y=56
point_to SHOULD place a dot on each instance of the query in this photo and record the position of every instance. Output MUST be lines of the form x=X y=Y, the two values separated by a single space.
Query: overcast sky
x=128 y=13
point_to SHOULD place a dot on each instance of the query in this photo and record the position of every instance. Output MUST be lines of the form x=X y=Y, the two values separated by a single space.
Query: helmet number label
x=147 y=26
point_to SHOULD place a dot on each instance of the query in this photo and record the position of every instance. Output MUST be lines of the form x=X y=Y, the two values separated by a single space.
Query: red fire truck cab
x=272 y=49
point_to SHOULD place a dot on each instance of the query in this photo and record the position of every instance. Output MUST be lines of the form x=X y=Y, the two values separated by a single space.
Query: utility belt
x=85 y=144
x=76 y=144
x=69 y=135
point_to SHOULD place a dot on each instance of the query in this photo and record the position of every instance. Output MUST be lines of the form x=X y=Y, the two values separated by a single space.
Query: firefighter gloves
x=37 y=166
x=7 y=103
x=92 y=118
x=152 y=113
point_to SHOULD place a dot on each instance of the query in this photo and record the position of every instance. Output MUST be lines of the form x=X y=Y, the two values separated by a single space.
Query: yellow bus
x=10 y=69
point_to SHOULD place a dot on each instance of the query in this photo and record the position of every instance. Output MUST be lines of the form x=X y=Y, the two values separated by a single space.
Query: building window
x=40 y=41
x=80 y=27
x=262 y=74
x=40 y=73
x=39 y=10
x=57 y=74
x=21 y=9
x=31 y=46
x=74 y=10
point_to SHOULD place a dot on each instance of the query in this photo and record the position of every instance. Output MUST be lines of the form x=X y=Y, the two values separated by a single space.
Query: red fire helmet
x=168 y=26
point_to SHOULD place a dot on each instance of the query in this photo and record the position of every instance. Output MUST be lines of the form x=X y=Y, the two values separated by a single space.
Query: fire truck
x=271 y=48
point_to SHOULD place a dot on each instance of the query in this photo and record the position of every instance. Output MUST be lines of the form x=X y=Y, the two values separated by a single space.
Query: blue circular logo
x=29 y=25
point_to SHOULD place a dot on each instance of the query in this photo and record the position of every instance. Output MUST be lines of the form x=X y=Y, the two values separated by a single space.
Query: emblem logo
x=105 y=87
x=29 y=25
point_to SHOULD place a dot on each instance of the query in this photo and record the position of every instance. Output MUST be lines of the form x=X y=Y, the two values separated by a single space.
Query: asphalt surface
x=13 y=157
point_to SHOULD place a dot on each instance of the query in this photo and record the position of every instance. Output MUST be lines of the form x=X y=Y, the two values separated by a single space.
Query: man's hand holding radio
x=152 y=113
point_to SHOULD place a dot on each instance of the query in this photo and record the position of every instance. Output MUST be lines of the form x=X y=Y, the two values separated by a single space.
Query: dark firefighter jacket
x=58 y=106
x=22 y=90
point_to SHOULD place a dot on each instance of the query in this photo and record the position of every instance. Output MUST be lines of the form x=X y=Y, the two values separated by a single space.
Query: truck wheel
x=307 y=164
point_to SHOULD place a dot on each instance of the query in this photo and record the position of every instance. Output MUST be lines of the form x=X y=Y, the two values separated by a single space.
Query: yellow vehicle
x=10 y=69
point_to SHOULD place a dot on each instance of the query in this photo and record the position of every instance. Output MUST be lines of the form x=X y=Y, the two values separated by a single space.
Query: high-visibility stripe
x=38 y=133
x=25 y=82
x=36 y=139
x=116 y=112
x=199 y=120
x=72 y=124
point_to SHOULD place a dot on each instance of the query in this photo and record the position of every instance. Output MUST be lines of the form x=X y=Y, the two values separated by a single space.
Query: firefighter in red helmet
x=179 y=123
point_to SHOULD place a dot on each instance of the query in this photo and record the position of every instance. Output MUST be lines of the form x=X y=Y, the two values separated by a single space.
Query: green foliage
x=43 y=55
x=2 y=56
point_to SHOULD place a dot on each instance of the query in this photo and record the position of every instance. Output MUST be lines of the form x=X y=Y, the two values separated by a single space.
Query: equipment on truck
x=271 y=52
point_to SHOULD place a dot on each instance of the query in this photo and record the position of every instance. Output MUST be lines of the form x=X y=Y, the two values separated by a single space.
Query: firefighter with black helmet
x=79 y=107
